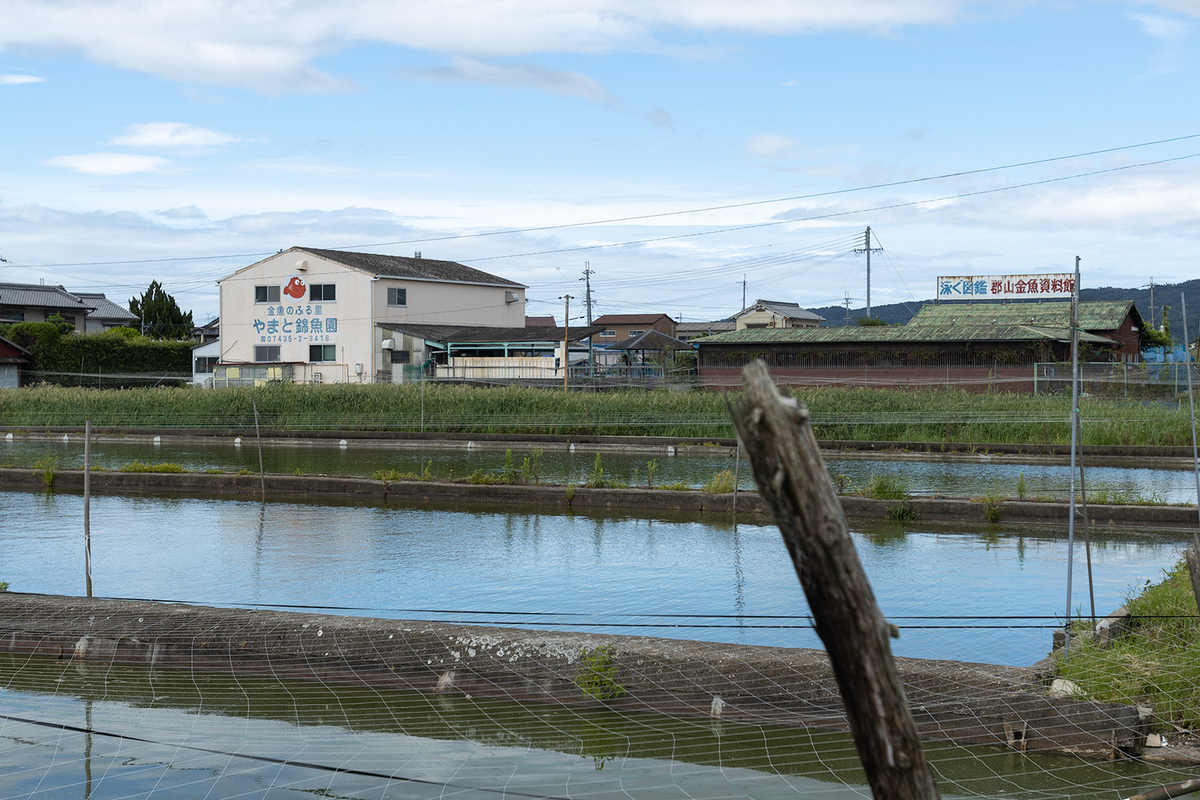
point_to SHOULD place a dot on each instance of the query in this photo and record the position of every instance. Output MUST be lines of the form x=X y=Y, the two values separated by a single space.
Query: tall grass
x=925 y=415
x=1156 y=663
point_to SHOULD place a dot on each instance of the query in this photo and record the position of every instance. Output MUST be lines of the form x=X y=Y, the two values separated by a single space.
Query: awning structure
x=651 y=341
x=494 y=341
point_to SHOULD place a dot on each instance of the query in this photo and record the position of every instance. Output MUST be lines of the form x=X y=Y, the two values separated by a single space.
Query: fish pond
x=971 y=593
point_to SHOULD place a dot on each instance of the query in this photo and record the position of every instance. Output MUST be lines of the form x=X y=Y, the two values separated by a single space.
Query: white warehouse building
x=324 y=316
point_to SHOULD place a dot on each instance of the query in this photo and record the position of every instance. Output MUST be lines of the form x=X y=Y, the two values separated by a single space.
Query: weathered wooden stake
x=794 y=483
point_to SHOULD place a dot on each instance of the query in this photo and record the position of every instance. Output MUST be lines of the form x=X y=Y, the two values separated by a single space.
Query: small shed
x=12 y=358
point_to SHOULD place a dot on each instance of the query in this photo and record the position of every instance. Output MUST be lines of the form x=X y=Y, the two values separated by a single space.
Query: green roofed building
x=981 y=346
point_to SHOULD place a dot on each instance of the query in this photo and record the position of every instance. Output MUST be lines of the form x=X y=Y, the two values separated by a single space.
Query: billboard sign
x=1006 y=287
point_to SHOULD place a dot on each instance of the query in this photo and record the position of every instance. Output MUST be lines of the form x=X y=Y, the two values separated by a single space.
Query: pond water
x=93 y=730
x=950 y=478
x=973 y=593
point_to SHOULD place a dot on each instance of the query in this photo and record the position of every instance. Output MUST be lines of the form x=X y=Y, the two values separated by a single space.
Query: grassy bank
x=1157 y=663
x=929 y=415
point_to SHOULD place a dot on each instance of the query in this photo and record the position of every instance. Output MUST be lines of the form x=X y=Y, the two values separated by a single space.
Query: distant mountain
x=1164 y=294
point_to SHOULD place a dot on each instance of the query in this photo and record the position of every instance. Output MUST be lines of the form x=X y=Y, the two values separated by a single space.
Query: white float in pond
x=670 y=449
x=158 y=440
x=237 y=442
x=342 y=444
x=66 y=438
x=571 y=449
x=8 y=437
x=470 y=445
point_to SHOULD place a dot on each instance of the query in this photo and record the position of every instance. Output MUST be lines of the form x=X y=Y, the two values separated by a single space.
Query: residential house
x=105 y=314
x=34 y=302
x=775 y=314
x=619 y=327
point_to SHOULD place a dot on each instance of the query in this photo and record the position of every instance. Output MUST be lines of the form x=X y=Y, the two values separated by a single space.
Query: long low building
x=978 y=347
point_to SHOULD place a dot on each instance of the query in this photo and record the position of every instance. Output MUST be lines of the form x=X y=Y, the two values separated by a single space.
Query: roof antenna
x=417 y=254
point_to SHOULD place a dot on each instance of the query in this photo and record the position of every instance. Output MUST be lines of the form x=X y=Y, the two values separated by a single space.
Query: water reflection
x=950 y=478
x=670 y=575
x=428 y=746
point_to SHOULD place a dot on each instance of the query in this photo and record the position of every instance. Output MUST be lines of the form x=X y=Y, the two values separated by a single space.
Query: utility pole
x=1152 y=303
x=566 y=340
x=743 y=283
x=588 y=272
x=847 y=305
x=866 y=248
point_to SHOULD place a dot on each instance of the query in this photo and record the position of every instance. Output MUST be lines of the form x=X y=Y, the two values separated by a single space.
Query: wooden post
x=262 y=473
x=795 y=485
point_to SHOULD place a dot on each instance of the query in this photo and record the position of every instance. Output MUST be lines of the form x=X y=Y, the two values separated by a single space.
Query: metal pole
x=87 y=504
x=1074 y=444
x=262 y=474
x=1192 y=411
x=566 y=341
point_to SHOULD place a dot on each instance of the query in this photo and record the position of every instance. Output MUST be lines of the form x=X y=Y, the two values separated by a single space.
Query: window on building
x=401 y=356
x=266 y=353
x=323 y=291
x=206 y=364
x=322 y=352
x=397 y=297
x=12 y=315
x=266 y=294
x=635 y=333
x=70 y=320
x=609 y=334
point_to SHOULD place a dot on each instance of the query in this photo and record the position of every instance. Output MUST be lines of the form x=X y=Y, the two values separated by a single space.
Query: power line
x=663 y=214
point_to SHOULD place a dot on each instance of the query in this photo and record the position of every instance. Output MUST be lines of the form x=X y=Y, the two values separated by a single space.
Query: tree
x=159 y=315
x=870 y=322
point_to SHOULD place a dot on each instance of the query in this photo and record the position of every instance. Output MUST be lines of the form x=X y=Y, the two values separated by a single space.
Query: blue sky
x=187 y=140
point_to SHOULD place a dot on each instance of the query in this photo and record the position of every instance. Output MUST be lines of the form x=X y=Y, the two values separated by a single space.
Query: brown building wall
x=971 y=379
x=622 y=330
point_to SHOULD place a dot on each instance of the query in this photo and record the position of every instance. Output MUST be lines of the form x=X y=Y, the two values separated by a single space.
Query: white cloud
x=267 y=45
x=770 y=145
x=13 y=80
x=527 y=76
x=173 y=135
x=109 y=164
x=1167 y=29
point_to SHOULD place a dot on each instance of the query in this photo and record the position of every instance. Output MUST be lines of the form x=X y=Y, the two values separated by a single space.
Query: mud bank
x=748 y=505
x=952 y=701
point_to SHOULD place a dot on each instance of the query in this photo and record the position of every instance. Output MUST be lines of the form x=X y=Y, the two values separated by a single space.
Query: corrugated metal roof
x=1104 y=315
x=867 y=335
x=105 y=308
x=474 y=334
x=38 y=296
x=415 y=268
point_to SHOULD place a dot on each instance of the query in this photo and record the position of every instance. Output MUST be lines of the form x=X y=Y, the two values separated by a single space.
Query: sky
x=675 y=148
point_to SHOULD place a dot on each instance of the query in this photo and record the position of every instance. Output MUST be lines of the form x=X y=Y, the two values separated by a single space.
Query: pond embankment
x=747 y=505
x=1160 y=456
x=955 y=701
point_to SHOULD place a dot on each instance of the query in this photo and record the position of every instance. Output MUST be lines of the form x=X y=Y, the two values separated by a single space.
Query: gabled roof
x=103 y=308
x=653 y=340
x=629 y=319
x=477 y=334
x=539 y=322
x=36 y=295
x=789 y=310
x=423 y=269
x=1101 y=315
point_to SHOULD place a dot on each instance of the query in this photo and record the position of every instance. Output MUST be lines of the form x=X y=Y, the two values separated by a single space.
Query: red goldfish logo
x=295 y=288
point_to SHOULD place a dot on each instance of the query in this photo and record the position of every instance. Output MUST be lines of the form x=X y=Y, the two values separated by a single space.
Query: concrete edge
x=749 y=504
x=961 y=702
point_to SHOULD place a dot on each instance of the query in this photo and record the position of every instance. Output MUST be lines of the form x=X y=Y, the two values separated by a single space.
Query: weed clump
x=138 y=466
